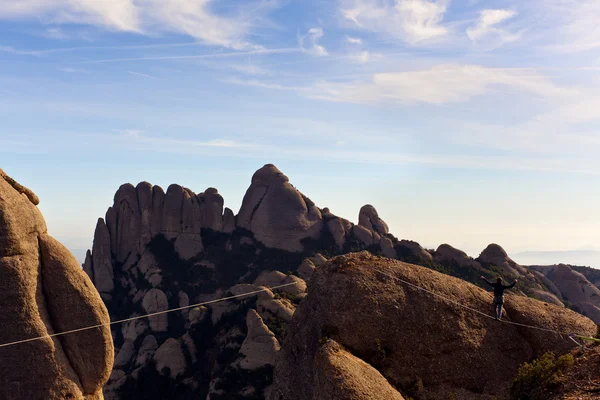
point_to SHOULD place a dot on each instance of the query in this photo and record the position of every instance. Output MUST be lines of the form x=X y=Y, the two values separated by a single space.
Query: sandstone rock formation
x=575 y=288
x=260 y=346
x=496 y=255
x=412 y=334
x=411 y=251
x=306 y=269
x=278 y=214
x=156 y=250
x=340 y=375
x=44 y=291
x=139 y=214
x=446 y=254
x=369 y=219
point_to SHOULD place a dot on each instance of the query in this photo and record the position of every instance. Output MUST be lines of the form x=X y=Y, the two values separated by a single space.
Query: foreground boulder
x=340 y=375
x=411 y=335
x=44 y=291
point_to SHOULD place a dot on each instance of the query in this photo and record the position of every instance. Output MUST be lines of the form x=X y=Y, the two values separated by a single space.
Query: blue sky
x=466 y=122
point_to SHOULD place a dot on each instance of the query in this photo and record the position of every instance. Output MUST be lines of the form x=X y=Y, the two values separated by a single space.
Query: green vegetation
x=327 y=332
x=414 y=387
x=278 y=326
x=325 y=244
x=292 y=298
x=538 y=379
x=382 y=352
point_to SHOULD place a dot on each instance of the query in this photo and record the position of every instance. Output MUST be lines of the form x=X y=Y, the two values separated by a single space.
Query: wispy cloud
x=142 y=75
x=42 y=52
x=197 y=19
x=309 y=43
x=353 y=40
x=486 y=28
x=140 y=138
x=55 y=33
x=441 y=84
x=249 y=69
x=70 y=70
x=12 y=50
x=413 y=21
x=195 y=56
x=264 y=84
x=573 y=24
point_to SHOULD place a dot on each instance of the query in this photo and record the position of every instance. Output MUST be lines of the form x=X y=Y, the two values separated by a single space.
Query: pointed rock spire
x=278 y=214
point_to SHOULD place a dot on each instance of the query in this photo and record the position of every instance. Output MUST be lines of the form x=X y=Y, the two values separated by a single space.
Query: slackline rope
x=571 y=335
x=146 y=315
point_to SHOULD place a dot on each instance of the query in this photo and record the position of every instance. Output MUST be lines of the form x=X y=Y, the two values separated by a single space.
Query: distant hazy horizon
x=465 y=123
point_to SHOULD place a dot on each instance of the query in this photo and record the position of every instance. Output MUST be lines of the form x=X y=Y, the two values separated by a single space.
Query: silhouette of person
x=499 y=289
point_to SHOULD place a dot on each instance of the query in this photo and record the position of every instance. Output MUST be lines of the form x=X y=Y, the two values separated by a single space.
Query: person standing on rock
x=499 y=289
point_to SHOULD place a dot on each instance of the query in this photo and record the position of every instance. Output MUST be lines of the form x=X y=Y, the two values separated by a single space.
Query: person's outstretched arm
x=512 y=285
x=486 y=281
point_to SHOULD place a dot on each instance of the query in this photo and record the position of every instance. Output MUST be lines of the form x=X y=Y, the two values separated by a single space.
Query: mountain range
x=588 y=258
x=338 y=310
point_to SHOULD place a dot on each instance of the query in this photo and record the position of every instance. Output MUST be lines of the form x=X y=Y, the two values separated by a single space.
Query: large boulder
x=410 y=333
x=44 y=291
x=411 y=251
x=278 y=214
x=448 y=255
x=340 y=375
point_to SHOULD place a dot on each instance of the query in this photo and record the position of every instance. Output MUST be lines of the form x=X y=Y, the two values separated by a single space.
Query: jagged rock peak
x=140 y=214
x=369 y=218
x=278 y=214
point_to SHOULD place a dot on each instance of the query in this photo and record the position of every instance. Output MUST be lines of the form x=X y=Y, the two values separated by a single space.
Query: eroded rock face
x=448 y=254
x=278 y=214
x=420 y=334
x=368 y=218
x=141 y=213
x=411 y=251
x=573 y=286
x=45 y=291
x=260 y=346
x=156 y=301
x=340 y=375
x=497 y=256
x=170 y=355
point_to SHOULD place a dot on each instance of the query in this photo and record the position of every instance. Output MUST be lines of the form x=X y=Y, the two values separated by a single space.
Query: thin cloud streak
x=440 y=84
x=42 y=52
x=192 y=57
x=142 y=75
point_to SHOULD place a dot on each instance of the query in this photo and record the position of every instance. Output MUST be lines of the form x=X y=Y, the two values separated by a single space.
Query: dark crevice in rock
x=257 y=206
